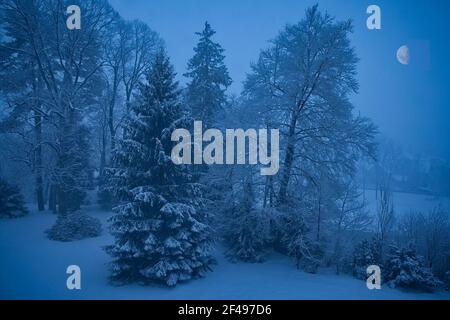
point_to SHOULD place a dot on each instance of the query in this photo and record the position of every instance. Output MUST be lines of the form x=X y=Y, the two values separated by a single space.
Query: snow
x=34 y=267
x=405 y=202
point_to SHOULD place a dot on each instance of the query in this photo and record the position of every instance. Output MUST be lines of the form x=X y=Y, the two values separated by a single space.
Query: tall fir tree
x=209 y=78
x=159 y=233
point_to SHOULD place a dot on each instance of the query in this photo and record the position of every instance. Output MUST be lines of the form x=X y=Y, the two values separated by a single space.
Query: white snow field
x=33 y=267
x=407 y=202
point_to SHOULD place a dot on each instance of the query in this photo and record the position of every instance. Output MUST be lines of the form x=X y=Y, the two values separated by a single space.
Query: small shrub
x=74 y=226
x=447 y=280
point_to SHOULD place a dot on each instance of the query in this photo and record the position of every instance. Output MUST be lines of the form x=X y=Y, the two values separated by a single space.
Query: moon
x=403 y=55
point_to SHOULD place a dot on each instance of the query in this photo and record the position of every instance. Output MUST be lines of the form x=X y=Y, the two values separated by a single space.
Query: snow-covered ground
x=407 y=202
x=33 y=267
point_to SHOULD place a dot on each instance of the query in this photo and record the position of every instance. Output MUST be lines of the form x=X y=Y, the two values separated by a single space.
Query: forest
x=87 y=117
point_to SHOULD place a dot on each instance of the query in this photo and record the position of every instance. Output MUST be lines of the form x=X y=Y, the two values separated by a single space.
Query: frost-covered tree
x=138 y=50
x=61 y=84
x=159 y=234
x=302 y=83
x=12 y=203
x=384 y=215
x=208 y=78
x=351 y=218
x=404 y=269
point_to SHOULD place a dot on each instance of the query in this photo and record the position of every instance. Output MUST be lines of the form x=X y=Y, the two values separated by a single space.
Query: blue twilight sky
x=410 y=104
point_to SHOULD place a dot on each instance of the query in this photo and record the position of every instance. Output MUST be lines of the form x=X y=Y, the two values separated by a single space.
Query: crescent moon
x=403 y=55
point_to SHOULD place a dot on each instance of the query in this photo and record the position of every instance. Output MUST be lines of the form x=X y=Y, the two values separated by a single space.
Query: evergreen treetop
x=209 y=77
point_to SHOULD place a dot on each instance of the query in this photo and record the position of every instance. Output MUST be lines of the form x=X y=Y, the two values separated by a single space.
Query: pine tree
x=209 y=78
x=404 y=269
x=12 y=204
x=159 y=234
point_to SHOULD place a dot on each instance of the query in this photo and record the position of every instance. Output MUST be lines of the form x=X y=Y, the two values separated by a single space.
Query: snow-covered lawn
x=33 y=267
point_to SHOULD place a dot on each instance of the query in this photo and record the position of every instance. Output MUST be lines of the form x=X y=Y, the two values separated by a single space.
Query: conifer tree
x=159 y=234
x=209 y=78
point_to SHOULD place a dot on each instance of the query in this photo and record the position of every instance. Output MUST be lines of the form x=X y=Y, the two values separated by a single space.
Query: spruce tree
x=159 y=234
x=209 y=78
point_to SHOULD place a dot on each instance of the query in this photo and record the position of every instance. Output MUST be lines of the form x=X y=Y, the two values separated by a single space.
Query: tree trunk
x=62 y=209
x=52 y=199
x=38 y=173
x=39 y=187
x=319 y=217
x=268 y=193
x=103 y=154
x=113 y=135
x=288 y=161
x=112 y=104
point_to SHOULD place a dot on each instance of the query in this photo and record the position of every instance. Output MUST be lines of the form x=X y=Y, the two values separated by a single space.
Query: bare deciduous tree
x=385 y=214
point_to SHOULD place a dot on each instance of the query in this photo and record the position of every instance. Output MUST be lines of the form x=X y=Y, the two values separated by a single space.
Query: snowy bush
x=404 y=269
x=12 y=204
x=366 y=253
x=74 y=226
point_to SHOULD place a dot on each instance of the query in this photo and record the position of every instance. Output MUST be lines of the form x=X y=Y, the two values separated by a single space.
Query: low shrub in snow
x=74 y=226
x=246 y=229
x=366 y=253
x=12 y=204
x=447 y=280
x=404 y=269
x=295 y=240
x=247 y=235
